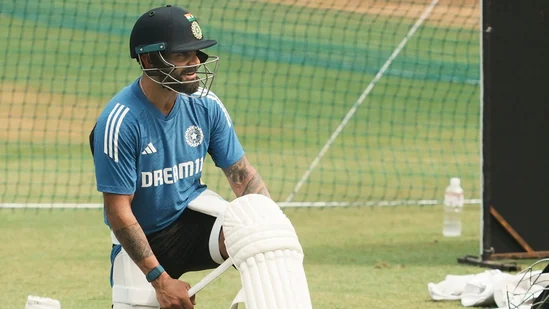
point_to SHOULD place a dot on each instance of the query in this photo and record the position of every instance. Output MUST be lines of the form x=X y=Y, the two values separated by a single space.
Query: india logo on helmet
x=195 y=28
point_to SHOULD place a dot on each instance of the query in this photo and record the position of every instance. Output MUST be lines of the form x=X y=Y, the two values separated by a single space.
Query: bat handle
x=210 y=277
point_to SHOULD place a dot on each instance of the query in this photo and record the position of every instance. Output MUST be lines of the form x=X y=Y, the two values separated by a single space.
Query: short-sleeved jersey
x=139 y=150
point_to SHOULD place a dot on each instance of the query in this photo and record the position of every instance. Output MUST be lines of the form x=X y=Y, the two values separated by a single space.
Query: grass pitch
x=355 y=257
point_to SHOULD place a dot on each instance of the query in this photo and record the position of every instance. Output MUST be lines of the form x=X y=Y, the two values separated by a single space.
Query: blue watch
x=155 y=273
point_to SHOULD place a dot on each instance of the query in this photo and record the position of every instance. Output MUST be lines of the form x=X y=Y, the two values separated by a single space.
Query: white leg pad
x=212 y=204
x=130 y=287
x=264 y=247
x=240 y=298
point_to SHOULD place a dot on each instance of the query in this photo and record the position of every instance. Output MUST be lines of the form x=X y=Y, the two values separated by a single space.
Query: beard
x=185 y=86
x=188 y=87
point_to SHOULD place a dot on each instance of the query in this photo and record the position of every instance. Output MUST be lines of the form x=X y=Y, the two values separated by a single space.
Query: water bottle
x=453 y=208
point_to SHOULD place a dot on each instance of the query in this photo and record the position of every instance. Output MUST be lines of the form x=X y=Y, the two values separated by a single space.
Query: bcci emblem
x=194 y=136
x=195 y=28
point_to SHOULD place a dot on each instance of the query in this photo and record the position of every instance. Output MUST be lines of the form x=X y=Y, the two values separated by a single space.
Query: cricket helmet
x=170 y=29
x=527 y=289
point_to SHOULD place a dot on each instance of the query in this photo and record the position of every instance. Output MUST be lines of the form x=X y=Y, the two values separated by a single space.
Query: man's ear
x=146 y=61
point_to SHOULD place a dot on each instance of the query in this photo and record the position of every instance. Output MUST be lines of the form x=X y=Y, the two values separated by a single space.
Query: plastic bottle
x=453 y=208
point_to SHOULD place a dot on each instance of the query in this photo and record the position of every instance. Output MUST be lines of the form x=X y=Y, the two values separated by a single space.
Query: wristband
x=155 y=273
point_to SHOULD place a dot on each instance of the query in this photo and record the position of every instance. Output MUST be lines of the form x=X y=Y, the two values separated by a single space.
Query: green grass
x=355 y=257
x=288 y=76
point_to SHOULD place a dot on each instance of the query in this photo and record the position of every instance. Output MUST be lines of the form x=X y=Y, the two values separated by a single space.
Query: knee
x=222 y=246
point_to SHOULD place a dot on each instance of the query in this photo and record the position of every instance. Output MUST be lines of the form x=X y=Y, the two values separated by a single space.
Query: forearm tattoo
x=238 y=172
x=242 y=180
x=256 y=185
x=134 y=241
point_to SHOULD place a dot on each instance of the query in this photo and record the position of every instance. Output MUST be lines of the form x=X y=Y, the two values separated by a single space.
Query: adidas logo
x=149 y=149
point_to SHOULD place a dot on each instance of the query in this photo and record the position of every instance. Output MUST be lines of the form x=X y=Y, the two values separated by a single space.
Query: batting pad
x=265 y=249
x=130 y=287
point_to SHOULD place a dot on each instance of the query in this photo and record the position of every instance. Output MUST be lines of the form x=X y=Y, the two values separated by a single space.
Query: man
x=149 y=145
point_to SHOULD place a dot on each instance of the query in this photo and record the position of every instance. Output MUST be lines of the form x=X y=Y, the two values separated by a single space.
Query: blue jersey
x=159 y=158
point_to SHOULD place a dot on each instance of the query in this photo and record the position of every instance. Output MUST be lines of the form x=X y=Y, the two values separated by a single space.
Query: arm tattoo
x=244 y=178
x=256 y=185
x=237 y=172
x=134 y=241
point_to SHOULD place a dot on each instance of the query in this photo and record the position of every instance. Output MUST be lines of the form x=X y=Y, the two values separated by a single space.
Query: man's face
x=187 y=75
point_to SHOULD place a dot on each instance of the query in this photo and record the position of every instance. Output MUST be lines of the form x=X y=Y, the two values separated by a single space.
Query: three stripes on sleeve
x=112 y=130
